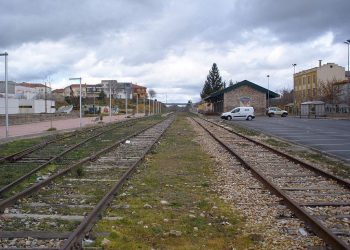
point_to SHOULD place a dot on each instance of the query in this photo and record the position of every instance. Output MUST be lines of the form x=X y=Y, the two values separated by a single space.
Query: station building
x=244 y=93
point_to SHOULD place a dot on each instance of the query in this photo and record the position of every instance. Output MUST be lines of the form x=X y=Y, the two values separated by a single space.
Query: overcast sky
x=170 y=46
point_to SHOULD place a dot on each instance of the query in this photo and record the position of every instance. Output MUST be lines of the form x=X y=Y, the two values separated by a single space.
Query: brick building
x=244 y=93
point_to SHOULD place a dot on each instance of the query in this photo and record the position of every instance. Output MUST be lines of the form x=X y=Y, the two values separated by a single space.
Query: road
x=326 y=135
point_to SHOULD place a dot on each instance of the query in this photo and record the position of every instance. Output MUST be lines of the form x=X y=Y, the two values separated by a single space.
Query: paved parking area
x=326 y=135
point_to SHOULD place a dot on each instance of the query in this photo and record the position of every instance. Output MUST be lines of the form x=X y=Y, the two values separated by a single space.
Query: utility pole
x=137 y=104
x=268 y=90
x=6 y=96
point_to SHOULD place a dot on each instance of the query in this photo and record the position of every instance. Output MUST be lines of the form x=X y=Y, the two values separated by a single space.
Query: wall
x=330 y=71
x=245 y=96
x=12 y=106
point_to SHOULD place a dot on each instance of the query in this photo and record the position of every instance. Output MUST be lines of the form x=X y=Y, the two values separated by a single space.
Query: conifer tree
x=213 y=82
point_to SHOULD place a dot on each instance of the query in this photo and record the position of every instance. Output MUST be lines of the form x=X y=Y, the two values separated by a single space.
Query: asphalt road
x=326 y=135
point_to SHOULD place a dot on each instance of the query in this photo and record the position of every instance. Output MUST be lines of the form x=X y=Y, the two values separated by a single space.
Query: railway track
x=59 y=212
x=38 y=162
x=320 y=199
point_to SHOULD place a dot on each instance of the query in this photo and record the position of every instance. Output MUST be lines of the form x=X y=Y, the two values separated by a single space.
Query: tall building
x=307 y=82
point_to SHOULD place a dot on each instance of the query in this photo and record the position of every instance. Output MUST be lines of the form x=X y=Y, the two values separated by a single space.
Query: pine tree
x=230 y=83
x=213 y=82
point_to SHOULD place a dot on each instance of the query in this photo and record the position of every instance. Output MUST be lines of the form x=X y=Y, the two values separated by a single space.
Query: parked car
x=246 y=113
x=272 y=111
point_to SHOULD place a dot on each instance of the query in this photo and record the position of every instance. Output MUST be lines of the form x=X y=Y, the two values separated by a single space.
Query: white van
x=246 y=113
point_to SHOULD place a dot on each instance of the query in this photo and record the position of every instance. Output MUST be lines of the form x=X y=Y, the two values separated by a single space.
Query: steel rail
x=33 y=171
x=75 y=239
x=12 y=200
x=301 y=213
x=322 y=172
x=20 y=154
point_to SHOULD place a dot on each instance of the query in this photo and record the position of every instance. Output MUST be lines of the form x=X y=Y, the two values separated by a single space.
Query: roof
x=32 y=85
x=135 y=86
x=75 y=85
x=58 y=91
x=240 y=84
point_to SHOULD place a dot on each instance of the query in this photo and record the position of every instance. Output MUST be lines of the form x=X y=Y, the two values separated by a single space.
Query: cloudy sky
x=170 y=46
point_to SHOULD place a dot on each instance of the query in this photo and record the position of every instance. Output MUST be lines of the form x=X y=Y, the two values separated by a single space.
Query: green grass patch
x=170 y=204
x=243 y=130
x=18 y=145
x=276 y=143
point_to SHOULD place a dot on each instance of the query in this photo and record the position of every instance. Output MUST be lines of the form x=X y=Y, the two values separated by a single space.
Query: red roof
x=135 y=86
x=32 y=85
x=58 y=91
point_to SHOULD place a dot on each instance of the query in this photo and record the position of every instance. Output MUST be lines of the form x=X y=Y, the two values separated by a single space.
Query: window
x=235 y=110
x=25 y=107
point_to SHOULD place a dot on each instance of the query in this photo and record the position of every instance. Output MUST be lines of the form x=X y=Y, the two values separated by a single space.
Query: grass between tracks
x=168 y=203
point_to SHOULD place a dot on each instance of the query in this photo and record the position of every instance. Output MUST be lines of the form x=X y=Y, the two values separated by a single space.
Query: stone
x=105 y=242
x=175 y=233
x=164 y=202
x=147 y=206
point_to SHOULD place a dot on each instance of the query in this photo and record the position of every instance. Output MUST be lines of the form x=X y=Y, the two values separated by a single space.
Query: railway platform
x=41 y=128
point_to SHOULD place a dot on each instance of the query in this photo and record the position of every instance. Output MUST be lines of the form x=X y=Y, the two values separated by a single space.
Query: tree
x=213 y=82
x=152 y=93
x=102 y=95
x=230 y=83
x=329 y=91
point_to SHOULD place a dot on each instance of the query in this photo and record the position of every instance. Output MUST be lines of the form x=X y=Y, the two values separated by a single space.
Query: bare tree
x=286 y=97
x=329 y=91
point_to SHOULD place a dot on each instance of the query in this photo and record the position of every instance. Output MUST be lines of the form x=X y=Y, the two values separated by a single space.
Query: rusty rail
x=317 y=227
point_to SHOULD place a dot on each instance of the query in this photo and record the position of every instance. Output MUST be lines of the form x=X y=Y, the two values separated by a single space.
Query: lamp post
x=6 y=96
x=78 y=78
x=149 y=105
x=268 y=90
x=348 y=43
x=294 y=64
x=110 y=101
x=126 y=101
x=137 y=104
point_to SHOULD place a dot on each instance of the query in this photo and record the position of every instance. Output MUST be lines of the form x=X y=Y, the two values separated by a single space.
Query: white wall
x=37 y=106
x=330 y=71
x=12 y=106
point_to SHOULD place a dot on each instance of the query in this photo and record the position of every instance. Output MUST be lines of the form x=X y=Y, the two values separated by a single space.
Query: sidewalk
x=40 y=128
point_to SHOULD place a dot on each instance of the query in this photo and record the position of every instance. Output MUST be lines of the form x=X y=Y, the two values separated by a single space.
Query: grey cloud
x=27 y=21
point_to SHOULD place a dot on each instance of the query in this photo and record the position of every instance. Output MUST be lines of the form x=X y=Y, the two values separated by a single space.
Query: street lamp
x=294 y=64
x=6 y=96
x=268 y=90
x=78 y=78
x=348 y=43
x=110 y=101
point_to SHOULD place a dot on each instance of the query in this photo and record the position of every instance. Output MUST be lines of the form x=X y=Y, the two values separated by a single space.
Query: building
x=244 y=93
x=74 y=90
x=119 y=89
x=10 y=88
x=307 y=82
x=24 y=106
x=94 y=90
x=139 y=91
x=58 y=95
